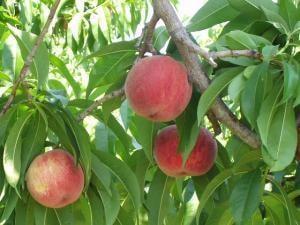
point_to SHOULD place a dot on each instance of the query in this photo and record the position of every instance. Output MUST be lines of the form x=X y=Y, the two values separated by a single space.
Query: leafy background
x=88 y=53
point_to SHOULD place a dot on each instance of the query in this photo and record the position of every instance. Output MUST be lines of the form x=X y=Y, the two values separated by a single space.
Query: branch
x=97 y=103
x=166 y=12
x=236 y=53
x=145 y=43
x=30 y=57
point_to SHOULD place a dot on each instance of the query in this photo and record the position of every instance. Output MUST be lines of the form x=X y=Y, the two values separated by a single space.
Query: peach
x=170 y=161
x=157 y=88
x=54 y=180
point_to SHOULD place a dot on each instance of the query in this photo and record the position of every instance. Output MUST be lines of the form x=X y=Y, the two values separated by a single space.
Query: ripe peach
x=157 y=88
x=54 y=180
x=200 y=160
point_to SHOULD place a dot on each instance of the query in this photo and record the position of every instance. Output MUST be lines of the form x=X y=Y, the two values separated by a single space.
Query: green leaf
x=160 y=38
x=267 y=112
x=282 y=139
x=24 y=212
x=97 y=208
x=288 y=10
x=246 y=196
x=144 y=133
x=212 y=13
x=102 y=173
x=158 y=198
x=12 y=61
x=286 y=202
x=12 y=151
x=57 y=62
x=74 y=26
x=117 y=48
x=124 y=174
x=275 y=211
x=236 y=86
x=291 y=80
x=81 y=143
x=111 y=204
x=78 y=213
x=40 y=63
x=216 y=182
x=109 y=69
x=252 y=95
x=241 y=40
x=252 y=7
x=212 y=92
x=9 y=206
x=277 y=21
x=4 y=122
x=33 y=141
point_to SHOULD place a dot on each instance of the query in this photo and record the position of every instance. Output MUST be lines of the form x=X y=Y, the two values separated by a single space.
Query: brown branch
x=214 y=122
x=235 y=53
x=30 y=57
x=166 y=12
x=97 y=103
x=145 y=43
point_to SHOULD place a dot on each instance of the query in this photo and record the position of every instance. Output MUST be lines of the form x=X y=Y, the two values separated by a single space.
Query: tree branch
x=30 y=57
x=166 y=12
x=145 y=43
x=97 y=103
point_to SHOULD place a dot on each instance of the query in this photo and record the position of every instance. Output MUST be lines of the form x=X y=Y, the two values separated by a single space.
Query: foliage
x=88 y=53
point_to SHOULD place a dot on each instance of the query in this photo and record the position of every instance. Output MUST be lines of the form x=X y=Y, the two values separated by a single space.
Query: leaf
x=111 y=204
x=158 y=198
x=123 y=47
x=242 y=40
x=252 y=95
x=286 y=202
x=212 y=13
x=81 y=142
x=109 y=69
x=102 y=173
x=33 y=141
x=288 y=10
x=275 y=210
x=214 y=89
x=246 y=196
x=236 y=86
x=12 y=61
x=74 y=26
x=12 y=151
x=4 y=123
x=57 y=62
x=97 y=208
x=211 y=188
x=78 y=213
x=9 y=206
x=267 y=112
x=277 y=21
x=24 y=212
x=125 y=176
x=282 y=139
x=40 y=63
x=252 y=7
x=291 y=80
x=145 y=131
x=160 y=38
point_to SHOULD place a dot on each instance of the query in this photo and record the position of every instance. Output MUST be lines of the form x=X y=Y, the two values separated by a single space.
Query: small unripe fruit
x=54 y=180
x=170 y=161
x=157 y=88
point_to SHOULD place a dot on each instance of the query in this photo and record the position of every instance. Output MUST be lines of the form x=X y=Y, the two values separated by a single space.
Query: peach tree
x=155 y=124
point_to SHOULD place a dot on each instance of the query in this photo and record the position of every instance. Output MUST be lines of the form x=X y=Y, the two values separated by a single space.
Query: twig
x=97 y=103
x=214 y=122
x=145 y=43
x=166 y=12
x=235 y=53
x=30 y=57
